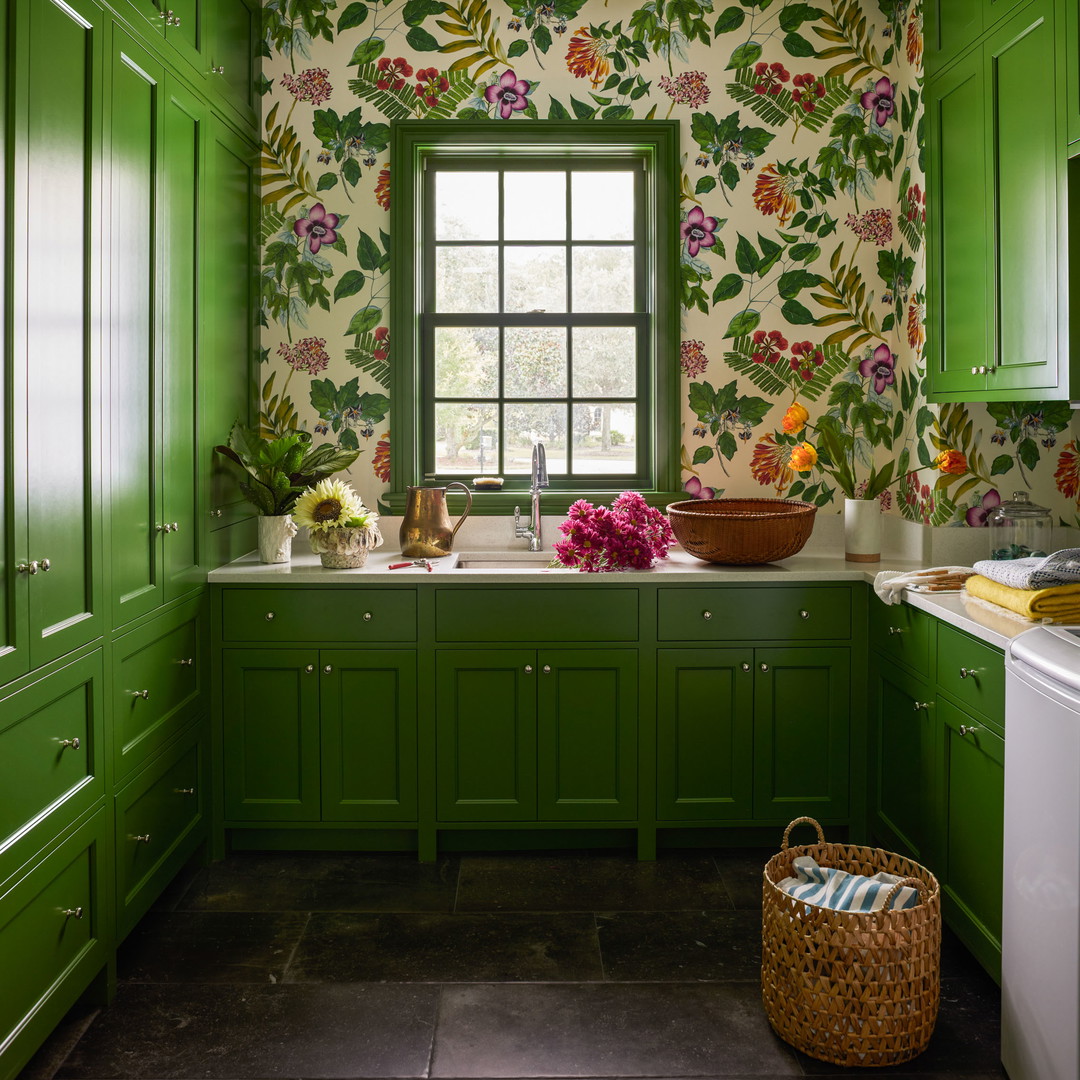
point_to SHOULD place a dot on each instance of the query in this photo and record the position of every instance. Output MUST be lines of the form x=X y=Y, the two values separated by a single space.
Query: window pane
x=603 y=279
x=523 y=424
x=467 y=279
x=605 y=361
x=602 y=204
x=535 y=279
x=605 y=439
x=467 y=361
x=535 y=361
x=466 y=438
x=534 y=206
x=467 y=206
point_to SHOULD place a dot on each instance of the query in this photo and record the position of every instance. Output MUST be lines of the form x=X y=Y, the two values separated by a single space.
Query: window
x=533 y=278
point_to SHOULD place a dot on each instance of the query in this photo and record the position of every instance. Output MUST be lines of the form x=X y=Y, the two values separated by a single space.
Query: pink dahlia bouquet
x=629 y=536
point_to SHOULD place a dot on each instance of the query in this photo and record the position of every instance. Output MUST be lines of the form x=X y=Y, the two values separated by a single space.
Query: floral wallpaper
x=803 y=218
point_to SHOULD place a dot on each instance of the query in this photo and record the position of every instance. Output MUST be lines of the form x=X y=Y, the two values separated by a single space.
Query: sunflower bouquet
x=341 y=529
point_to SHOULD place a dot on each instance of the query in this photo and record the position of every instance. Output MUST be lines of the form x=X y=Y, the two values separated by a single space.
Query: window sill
x=503 y=502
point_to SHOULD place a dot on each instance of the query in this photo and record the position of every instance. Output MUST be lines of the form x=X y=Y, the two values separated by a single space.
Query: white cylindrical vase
x=275 y=538
x=862 y=530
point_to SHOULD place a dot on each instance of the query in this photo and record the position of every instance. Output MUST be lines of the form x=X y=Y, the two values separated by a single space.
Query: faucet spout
x=538 y=481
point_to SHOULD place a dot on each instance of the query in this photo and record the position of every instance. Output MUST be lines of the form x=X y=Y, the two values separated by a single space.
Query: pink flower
x=692 y=358
x=629 y=535
x=318 y=227
x=509 y=93
x=698 y=231
x=310 y=85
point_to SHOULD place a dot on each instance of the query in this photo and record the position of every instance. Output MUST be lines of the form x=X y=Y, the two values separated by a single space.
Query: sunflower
x=331 y=504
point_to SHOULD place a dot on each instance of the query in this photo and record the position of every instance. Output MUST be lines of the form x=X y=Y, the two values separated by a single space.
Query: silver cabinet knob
x=804 y=614
x=176 y=20
x=895 y=630
x=217 y=69
x=368 y=616
x=528 y=669
x=327 y=669
x=190 y=662
x=45 y=565
x=28 y=567
x=745 y=666
x=706 y=615
x=165 y=15
x=184 y=791
x=161 y=528
x=921 y=705
x=73 y=743
x=310 y=668
x=144 y=838
x=547 y=669
x=144 y=694
x=174 y=527
x=216 y=513
x=270 y=616
x=764 y=667
x=965 y=730
x=72 y=913
x=968 y=672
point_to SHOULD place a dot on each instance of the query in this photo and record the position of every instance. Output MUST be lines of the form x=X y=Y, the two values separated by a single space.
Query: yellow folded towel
x=1060 y=602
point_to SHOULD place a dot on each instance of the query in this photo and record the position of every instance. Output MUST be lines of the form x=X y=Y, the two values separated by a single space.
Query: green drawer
x=155 y=814
x=53 y=933
x=51 y=746
x=747 y=614
x=158 y=685
x=972 y=672
x=902 y=633
x=538 y=614
x=288 y=614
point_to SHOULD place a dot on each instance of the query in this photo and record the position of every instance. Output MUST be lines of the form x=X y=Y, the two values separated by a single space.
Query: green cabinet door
x=232 y=30
x=136 y=209
x=185 y=199
x=1023 y=144
x=972 y=825
x=705 y=734
x=368 y=714
x=586 y=737
x=903 y=774
x=949 y=27
x=1069 y=55
x=802 y=718
x=55 y=354
x=485 y=712
x=270 y=734
x=958 y=246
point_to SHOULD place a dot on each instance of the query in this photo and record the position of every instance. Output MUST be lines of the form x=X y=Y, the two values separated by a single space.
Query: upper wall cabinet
x=996 y=327
x=50 y=580
x=1071 y=52
x=953 y=25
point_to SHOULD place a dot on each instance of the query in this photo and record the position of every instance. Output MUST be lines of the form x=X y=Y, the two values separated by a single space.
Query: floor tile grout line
x=435 y=1029
x=599 y=947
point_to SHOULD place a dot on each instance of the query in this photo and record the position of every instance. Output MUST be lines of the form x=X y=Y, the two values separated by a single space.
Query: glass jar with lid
x=1019 y=529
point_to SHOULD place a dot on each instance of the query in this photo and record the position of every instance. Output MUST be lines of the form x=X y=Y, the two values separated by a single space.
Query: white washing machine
x=1040 y=941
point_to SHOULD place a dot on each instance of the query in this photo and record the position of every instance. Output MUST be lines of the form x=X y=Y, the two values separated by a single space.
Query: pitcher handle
x=468 y=505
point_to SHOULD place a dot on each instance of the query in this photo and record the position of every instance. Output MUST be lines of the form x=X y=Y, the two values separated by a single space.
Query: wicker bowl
x=742 y=532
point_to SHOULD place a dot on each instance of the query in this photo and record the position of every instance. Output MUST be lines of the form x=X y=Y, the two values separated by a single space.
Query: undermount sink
x=504 y=560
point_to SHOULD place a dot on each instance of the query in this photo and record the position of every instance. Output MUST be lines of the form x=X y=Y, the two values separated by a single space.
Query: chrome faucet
x=539 y=481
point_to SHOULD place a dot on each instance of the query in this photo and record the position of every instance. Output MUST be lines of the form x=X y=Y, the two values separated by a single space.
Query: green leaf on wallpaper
x=350 y=169
x=701 y=399
x=520 y=47
x=729 y=286
x=804 y=253
x=367 y=253
x=726 y=444
x=745 y=55
x=729 y=173
x=704 y=185
x=796 y=313
x=702 y=454
x=326 y=181
x=416 y=11
x=924 y=419
x=1028 y=452
x=612 y=81
x=730 y=19
x=796 y=489
x=542 y=38
x=421 y=40
x=348 y=440
x=531 y=112
x=797 y=45
x=617 y=112
x=367 y=318
x=746 y=256
x=581 y=110
x=1002 y=464
x=367 y=52
x=352 y=16
x=791 y=283
x=794 y=15
x=743 y=323
x=888 y=322
x=351 y=282
x=903 y=462
x=558 y=111
x=926 y=459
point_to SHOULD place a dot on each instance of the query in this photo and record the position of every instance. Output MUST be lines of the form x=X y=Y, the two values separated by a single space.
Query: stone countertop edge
x=957 y=609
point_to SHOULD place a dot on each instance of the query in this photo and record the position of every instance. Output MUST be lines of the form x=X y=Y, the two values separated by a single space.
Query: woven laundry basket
x=851 y=988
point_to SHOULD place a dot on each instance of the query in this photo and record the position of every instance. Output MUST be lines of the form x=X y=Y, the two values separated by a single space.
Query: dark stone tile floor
x=540 y=966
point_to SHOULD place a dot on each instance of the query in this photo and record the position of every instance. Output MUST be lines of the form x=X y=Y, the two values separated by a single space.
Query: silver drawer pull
x=764 y=667
x=216 y=513
x=72 y=913
x=804 y=614
x=310 y=668
x=528 y=669
x=144 y=694
x=547 y=669
x=184 y=791
x=45 y=565
x=73 y=743
x=368 y=616
x=965 y=730
x=270 y=616
x=143 y=839
x=921 y=705
x=706 y=615
x=28 y=567
x=174 y=527
x=161 y=528
x=895 y=630
x=187 y=663
x=745 y=666
x=327 y=669
x=217 y=69
x=968 y=672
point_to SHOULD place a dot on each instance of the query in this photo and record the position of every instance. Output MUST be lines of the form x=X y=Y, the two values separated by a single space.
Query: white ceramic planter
x=275 y=538
x=862 y=530
x=344 y=549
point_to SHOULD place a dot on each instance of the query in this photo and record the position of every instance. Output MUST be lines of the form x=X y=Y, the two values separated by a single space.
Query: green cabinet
x=50 y=592
x=313 y=735
x=1069 y=55
x=997 y=259
x=232 y=29
x=527 y=735
x=951 y=26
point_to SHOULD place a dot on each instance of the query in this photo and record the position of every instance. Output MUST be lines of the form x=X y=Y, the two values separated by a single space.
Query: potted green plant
x=278 y=471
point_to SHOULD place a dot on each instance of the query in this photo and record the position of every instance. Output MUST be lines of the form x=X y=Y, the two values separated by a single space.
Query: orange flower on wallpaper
x=585 y=58
x=769 y=465
x=795 y=418
x=915 y=38
x=382 y=188
x=952 y=462
x=803 y=458
x=1067 y=475
x=916 y=329
x=380 y=462
x=775 y=194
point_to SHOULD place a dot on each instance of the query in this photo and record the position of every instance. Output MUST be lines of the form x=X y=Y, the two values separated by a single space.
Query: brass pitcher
x=426 y=532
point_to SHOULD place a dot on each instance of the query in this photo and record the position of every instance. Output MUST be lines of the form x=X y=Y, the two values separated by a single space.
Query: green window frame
x=649 y=149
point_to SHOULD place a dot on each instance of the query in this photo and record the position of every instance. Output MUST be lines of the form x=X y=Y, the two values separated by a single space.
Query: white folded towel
x=1044 y=572
x=890 y=584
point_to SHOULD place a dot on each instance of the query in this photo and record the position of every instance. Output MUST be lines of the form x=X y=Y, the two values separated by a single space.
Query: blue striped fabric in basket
x=827 y=887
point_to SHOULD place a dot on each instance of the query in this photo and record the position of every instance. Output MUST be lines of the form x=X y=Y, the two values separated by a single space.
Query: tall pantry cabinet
x=124 y=148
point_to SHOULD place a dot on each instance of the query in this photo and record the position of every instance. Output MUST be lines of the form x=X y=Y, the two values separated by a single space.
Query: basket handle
x=916 y=883
x=801 y=821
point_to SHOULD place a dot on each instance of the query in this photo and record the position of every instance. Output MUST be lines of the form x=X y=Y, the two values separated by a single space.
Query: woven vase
x=344 y=549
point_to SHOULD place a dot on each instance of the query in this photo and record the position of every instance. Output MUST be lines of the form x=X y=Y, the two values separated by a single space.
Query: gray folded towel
x=1060 y=568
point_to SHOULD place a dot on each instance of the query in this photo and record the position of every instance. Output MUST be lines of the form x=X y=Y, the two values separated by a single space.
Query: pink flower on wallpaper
x=509 y=93
x=880 y=101
x=318 y=227
x=689 y=88
x=692 y=359
x=874 y=226
x=698 y=231
x=310 y=85
x=308 y=354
